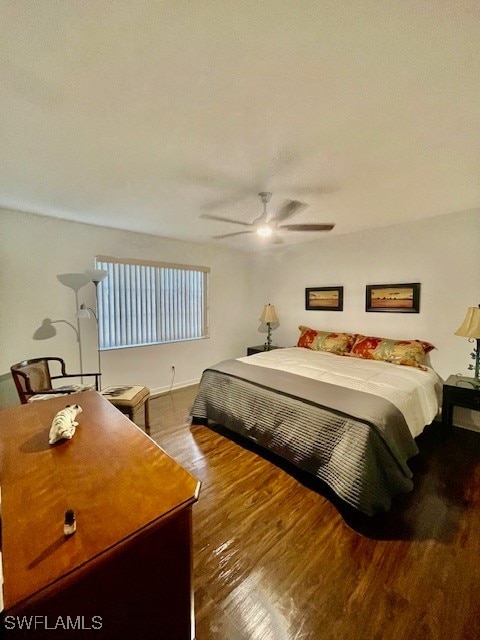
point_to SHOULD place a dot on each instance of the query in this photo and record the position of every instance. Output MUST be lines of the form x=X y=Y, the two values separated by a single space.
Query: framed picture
x=397 y=298
x=324 y=299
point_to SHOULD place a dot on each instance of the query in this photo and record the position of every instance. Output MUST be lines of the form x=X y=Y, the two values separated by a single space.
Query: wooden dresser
x=127 y=571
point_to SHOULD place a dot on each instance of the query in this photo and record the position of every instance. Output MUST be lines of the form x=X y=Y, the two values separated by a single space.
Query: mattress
x=416 y=393
x=351 y=425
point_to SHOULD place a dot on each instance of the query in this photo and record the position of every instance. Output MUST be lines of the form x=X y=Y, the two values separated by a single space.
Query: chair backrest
x=33 y=376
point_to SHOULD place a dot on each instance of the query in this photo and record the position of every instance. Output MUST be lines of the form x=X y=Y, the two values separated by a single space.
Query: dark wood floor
x=275 y=558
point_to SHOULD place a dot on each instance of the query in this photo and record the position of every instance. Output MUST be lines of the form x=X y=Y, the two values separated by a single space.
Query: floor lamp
x=75 y=281
x=96 y=276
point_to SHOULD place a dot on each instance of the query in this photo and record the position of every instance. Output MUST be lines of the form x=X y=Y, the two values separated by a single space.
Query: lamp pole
x=87 y=312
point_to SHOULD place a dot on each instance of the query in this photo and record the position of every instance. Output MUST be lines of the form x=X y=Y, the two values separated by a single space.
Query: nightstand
x=259 y=349
x=458 y=391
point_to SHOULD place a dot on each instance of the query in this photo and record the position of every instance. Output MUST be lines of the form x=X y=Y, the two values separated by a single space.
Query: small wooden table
x=260 y=348
x=127 y=571
x=458 y=391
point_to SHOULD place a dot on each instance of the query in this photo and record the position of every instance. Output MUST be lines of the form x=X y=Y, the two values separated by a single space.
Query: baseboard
x=159 y=391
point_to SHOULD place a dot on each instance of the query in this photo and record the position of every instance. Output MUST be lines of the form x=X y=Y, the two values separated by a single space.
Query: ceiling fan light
x=264 y=231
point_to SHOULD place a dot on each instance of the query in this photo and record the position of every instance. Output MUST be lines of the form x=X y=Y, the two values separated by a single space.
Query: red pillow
x=408 y=352
x=339 y=343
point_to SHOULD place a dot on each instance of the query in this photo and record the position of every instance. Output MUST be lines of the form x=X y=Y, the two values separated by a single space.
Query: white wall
x=35 y=249
x=441 y=253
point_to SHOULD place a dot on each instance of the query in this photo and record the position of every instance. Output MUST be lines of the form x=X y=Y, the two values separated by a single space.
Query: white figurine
x=63 y=425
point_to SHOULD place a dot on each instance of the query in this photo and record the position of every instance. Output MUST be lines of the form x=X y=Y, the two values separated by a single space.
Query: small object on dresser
x=70 y=523
x=64 y=423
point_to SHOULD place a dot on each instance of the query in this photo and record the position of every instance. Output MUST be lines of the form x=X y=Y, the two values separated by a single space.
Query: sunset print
x=393 y=297
x=324 y=298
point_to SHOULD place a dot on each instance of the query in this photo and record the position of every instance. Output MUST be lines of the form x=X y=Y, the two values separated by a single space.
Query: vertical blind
x=143 y=303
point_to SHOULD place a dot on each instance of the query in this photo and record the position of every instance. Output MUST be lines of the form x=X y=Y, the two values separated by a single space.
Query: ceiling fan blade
x=221 y=219
x=229 y=235
x=289 y=209
x=307 y=227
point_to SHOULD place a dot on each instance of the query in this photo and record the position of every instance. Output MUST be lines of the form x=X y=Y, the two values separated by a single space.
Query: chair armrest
x=61 y=363
x=75 y=375
x=80 y=375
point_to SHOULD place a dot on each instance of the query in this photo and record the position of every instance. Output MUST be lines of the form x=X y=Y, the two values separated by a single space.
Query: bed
x=350 y=422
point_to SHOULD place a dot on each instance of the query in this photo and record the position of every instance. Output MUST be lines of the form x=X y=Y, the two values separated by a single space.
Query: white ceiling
x=141 y=115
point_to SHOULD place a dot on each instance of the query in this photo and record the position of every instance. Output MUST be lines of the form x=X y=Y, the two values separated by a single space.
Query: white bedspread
x=414 y=392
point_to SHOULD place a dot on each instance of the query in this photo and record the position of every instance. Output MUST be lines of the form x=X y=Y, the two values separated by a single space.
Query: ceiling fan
x=266 y=225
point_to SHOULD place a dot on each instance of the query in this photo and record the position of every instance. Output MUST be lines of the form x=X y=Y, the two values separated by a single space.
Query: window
x=142 y=303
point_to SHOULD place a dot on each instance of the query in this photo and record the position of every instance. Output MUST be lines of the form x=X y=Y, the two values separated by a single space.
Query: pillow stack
x=407 y=352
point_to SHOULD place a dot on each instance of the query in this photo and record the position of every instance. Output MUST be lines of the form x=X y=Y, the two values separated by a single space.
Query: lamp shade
x=470 y=327
x=97 y=275
x=84 y=311
x=73 y=281
x=269 y=314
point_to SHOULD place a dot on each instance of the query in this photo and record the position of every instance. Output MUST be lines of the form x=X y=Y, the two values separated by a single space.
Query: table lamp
x=269 y=317
x=470 y=328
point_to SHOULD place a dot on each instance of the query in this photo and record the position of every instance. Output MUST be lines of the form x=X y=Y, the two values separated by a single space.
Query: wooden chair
x=33 y=377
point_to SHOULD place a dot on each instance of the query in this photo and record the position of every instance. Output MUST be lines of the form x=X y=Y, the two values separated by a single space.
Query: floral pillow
x=330 y=341
x=408 y=352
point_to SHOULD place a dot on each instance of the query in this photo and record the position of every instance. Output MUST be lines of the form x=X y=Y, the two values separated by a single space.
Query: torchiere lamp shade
x=97 y=275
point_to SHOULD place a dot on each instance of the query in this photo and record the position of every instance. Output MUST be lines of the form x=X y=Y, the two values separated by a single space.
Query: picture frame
x=324 y=298
x=393 y=298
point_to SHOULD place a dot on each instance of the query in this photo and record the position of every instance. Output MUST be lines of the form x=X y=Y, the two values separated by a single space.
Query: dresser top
x=118 y=481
